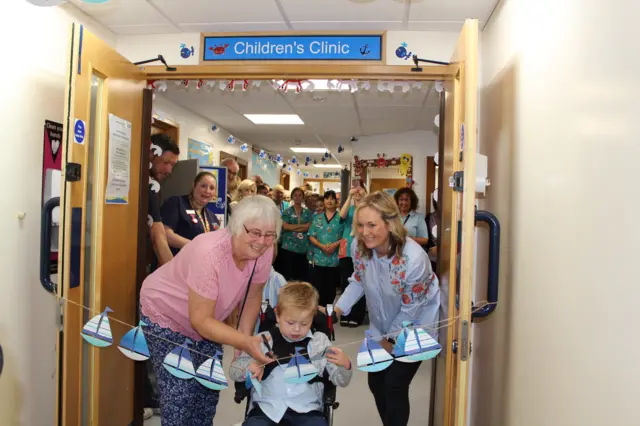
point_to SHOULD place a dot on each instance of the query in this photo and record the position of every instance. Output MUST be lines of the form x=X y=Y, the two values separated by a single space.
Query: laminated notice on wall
x=119 y=161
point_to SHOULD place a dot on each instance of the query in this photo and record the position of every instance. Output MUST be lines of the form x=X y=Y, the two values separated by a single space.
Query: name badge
x=300 y=236
x=191 y=212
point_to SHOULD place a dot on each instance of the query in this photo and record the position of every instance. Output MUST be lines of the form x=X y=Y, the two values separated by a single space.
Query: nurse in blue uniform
x=186 y=216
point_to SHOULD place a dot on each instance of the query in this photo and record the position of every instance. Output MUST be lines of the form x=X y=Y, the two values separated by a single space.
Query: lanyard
x=406 y=219
x=202 y=217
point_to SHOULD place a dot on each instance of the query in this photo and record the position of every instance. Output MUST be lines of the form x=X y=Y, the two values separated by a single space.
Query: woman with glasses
x=189 y=298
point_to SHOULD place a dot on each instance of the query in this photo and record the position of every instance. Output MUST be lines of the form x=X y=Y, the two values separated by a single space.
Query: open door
x=456 y=244
x=105 y=132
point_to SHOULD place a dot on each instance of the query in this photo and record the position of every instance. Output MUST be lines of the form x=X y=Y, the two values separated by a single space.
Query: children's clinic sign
x=293 y=48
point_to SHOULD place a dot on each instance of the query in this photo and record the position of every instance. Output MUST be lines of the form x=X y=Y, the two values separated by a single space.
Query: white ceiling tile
x=214 y=11
x=347 y=25
x=342 y=10
x=453 y=26
x=122 y=12
x=324 y=99
x=450 y=10
x=234 y=27
x=144 y=29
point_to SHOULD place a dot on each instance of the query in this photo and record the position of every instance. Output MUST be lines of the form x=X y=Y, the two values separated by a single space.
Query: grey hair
x=228 y=161
x=255 y=207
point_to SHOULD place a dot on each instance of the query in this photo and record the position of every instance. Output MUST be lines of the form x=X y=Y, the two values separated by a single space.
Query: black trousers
x=358 y=311
x=390 y=388
x=279 y=262
x=325 y=279
x=294 y=265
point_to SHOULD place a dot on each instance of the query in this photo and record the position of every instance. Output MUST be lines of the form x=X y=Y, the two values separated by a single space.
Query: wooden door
x=99 y=241
x=460 y=128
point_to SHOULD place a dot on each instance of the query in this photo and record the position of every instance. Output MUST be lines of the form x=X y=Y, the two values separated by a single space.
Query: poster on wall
x=119 y=161
x=268 y=170
x=219 y=207
x=51 y=180
x=203 y=152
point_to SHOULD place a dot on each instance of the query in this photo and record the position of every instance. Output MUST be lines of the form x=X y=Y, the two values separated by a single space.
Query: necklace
x=201 y=216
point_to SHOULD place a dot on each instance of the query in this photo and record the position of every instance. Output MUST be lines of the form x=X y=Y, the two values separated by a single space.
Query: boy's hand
x=256 y=371
x=338 y=357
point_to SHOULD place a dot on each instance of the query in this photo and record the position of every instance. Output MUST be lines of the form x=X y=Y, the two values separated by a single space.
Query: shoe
x=344 y=323
x=148 y=413
x=353 y=324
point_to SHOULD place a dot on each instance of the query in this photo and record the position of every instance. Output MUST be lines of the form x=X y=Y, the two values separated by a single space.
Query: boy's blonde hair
x=298 y=295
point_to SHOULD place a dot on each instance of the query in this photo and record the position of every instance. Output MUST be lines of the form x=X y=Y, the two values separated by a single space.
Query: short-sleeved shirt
x=206 y=266
x=347 y=234
x=296 y=242
x=327 y=232
x=178 y=214
x=415 y=224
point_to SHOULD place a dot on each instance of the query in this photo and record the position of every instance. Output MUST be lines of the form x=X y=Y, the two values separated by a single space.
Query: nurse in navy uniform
x=186 y=216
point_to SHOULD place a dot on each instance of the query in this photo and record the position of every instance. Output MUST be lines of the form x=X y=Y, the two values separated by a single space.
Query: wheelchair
x=321 y=323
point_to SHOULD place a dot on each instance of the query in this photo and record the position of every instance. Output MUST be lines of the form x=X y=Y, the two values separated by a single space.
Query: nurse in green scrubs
x=325 y=234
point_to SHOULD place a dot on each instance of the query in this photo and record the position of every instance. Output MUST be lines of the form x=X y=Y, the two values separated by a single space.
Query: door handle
x=494 y=263
x=45 y=243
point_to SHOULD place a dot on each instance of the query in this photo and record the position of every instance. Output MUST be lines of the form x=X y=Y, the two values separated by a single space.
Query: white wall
x=33 y=83
x=559 y=111
x=419 y=143
x=196 y=127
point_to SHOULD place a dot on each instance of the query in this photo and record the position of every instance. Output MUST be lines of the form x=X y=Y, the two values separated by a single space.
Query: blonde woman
x=395 y=274
x=245 y=188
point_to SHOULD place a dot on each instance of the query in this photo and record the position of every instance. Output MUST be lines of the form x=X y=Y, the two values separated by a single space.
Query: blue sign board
x=79 y=131
x=294 y=48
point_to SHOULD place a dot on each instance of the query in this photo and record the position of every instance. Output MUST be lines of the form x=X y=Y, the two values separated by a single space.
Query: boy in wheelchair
x=293 y=404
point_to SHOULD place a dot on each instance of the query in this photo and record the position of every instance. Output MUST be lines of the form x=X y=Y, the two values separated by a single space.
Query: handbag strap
x=246 y=293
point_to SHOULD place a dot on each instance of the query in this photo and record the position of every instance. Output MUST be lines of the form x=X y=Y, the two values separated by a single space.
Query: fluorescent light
x=328 y=166
x=274 y=118
x=309 y=150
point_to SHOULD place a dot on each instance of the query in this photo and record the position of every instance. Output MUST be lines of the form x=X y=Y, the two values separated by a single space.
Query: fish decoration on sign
x=178 y=362
x=299 y=369
x=134 y=345
x=97 y=331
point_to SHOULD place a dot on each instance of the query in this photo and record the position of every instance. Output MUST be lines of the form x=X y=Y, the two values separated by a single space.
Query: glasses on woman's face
x=255 y=234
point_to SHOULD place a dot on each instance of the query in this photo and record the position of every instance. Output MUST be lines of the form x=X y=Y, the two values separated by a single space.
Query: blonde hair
x=297 y=295
x=244 y=185
x=386 y=206
x=279 y=188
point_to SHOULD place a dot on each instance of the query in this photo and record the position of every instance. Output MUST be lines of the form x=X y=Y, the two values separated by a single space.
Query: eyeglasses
x=256 y=234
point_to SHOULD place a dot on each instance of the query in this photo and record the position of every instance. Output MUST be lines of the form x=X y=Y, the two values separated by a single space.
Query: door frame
x=448 y=74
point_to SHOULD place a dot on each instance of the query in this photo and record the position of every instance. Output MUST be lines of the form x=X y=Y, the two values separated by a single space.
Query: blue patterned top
x=296 y=242
x=396 y=289
x=327 y=232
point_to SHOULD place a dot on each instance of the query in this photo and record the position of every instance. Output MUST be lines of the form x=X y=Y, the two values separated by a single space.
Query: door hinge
x=60 y=315
x=457 y=181
x=73 y=172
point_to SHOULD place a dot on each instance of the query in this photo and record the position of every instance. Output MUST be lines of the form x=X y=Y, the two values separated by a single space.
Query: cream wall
x=33 y=83
x=559 y=106
x=196 y=127
x=419 y=143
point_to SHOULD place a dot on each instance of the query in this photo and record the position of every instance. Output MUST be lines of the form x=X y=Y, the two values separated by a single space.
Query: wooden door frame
x=166 y=126
x=266 y=71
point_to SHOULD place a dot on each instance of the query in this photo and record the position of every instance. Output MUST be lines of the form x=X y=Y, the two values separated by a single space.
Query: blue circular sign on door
x=79 y=131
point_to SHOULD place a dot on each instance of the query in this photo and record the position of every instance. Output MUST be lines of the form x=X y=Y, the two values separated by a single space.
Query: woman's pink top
x=205 y=266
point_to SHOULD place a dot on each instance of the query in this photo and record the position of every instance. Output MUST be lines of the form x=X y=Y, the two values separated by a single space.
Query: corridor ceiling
x=127 y=17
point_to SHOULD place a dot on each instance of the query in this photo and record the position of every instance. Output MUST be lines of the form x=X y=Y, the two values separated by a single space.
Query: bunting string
x=438 y=325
